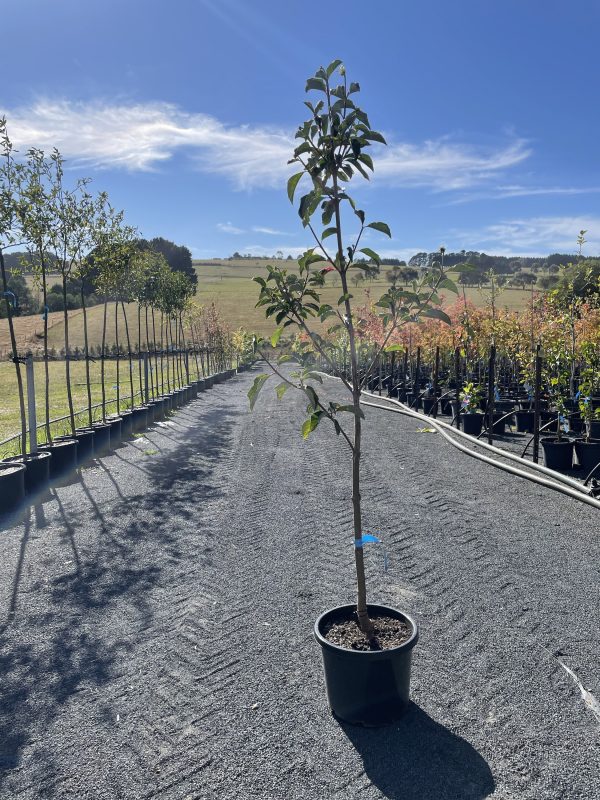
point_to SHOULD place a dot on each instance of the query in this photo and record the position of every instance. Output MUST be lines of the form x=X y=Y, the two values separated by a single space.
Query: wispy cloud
x=138 y=137
x=444 y=165
x=504 y=192
x=270 y=231
x=534 y=236
x=227 y=227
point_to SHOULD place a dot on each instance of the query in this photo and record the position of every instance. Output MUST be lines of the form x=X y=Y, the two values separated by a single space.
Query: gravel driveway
x=156 y=619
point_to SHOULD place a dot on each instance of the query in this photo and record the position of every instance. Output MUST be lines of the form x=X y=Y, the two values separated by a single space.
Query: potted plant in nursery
x=588 y=447
x=366 y=648
x=471 y=413
x=558 y=450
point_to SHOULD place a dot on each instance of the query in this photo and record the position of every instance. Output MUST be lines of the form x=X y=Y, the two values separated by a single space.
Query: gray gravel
x=156 y=619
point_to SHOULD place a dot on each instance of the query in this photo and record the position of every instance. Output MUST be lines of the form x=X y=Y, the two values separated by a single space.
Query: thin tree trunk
x=67 y=357
x=117 y=352
x=140 y=352
x=129 y=353
x=13 y=342
x=87 y=357
x=103 y=361
x=155 y=354
x=46 y=366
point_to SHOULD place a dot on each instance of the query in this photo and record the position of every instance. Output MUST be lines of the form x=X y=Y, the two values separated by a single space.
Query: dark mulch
x=389 y=632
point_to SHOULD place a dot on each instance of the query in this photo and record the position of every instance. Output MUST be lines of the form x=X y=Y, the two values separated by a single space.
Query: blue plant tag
x=366 y=539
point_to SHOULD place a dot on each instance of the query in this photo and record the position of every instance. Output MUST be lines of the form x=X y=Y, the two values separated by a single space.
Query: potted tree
x=361 y=639
x=588 y=448
x=472 y=416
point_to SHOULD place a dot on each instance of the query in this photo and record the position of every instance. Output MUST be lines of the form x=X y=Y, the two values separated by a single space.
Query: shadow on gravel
x=99 y=567
x=419 y=759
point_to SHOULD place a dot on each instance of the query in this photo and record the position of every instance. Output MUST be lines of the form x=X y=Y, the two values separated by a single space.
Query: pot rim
x=40 y=455
x=372 y=608
x=11 y=468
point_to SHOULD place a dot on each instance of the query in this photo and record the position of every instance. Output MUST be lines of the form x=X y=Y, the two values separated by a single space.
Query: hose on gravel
x=558 y=482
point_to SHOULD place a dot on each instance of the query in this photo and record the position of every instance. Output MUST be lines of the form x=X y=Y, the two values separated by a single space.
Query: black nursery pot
x=126 y=424
x=472 y=423
x=525 y=421
x=37 y=470
x=101 y=438
x=12 y=485
x=64 y=456
x=85 y=444
x=140 y=418
x=116 y=431
x=588 y=454
x=429 y=404
x=369 y=687
x=209 y=381
x=558 y=454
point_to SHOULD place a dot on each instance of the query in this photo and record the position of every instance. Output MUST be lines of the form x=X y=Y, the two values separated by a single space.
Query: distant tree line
x=178 y=257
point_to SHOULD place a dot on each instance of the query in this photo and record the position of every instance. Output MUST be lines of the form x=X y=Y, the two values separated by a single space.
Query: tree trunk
x=46 y=367
x=13 y=342
x=140 y=353
x=117 y=352
x=87 y=357
x=129 y=353
x=67 y=357
x=103 y=361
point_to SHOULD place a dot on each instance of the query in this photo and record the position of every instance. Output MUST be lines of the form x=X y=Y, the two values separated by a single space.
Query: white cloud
x=516 y=190
x=139 y=137
x=269 y=231
x=444 y=165
x=227 y=227
x=534 y=236
x=142 y=136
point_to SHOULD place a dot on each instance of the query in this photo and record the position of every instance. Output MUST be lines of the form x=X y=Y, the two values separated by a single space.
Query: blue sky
x=184 y=111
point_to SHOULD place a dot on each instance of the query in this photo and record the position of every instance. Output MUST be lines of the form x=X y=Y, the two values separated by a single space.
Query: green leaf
x=393 y=348
x=354 y=87
x=281 y=389
x=361 y=215
x=374 y=137
x=315 y=83
x=446 y=283
x=328 y=232
x=256 y=387
x=437 y=313
x=333 y=66
x=275 y=337
x=380 y=226
x=312 y=396
x=291 y=185
x=371 y=254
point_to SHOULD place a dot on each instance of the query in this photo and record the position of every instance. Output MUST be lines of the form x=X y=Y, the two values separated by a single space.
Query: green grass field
x=9 y=407
x=229 y=285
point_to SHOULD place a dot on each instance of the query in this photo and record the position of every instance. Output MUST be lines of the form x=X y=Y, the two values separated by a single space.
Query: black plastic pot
x=12 y=485
x=558 y=454
x=201 y=384
x=472 y=423
x=193 y=390
x=446 y=407
x=429 y=404
x=368 y=687
x=595 y=429
x=588 y=454
x=209 y=381
x=116 y=431
x=139 y=418
x=167 y=401
x=499 y=424
x=126 y=424
x=85 y=444
x=64 y=456
x=157 y=407
x=525 y=421
x=37 y=470
x=101 y=438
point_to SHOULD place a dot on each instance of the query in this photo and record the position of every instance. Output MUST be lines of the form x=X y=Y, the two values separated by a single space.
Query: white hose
x=559 y=482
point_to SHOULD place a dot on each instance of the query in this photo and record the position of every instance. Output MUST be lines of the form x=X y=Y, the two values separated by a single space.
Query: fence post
x=536 y=404
x=490 y=397
x=457 y=382
x=31 y=404
x=436 y=372
x=146 y=397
